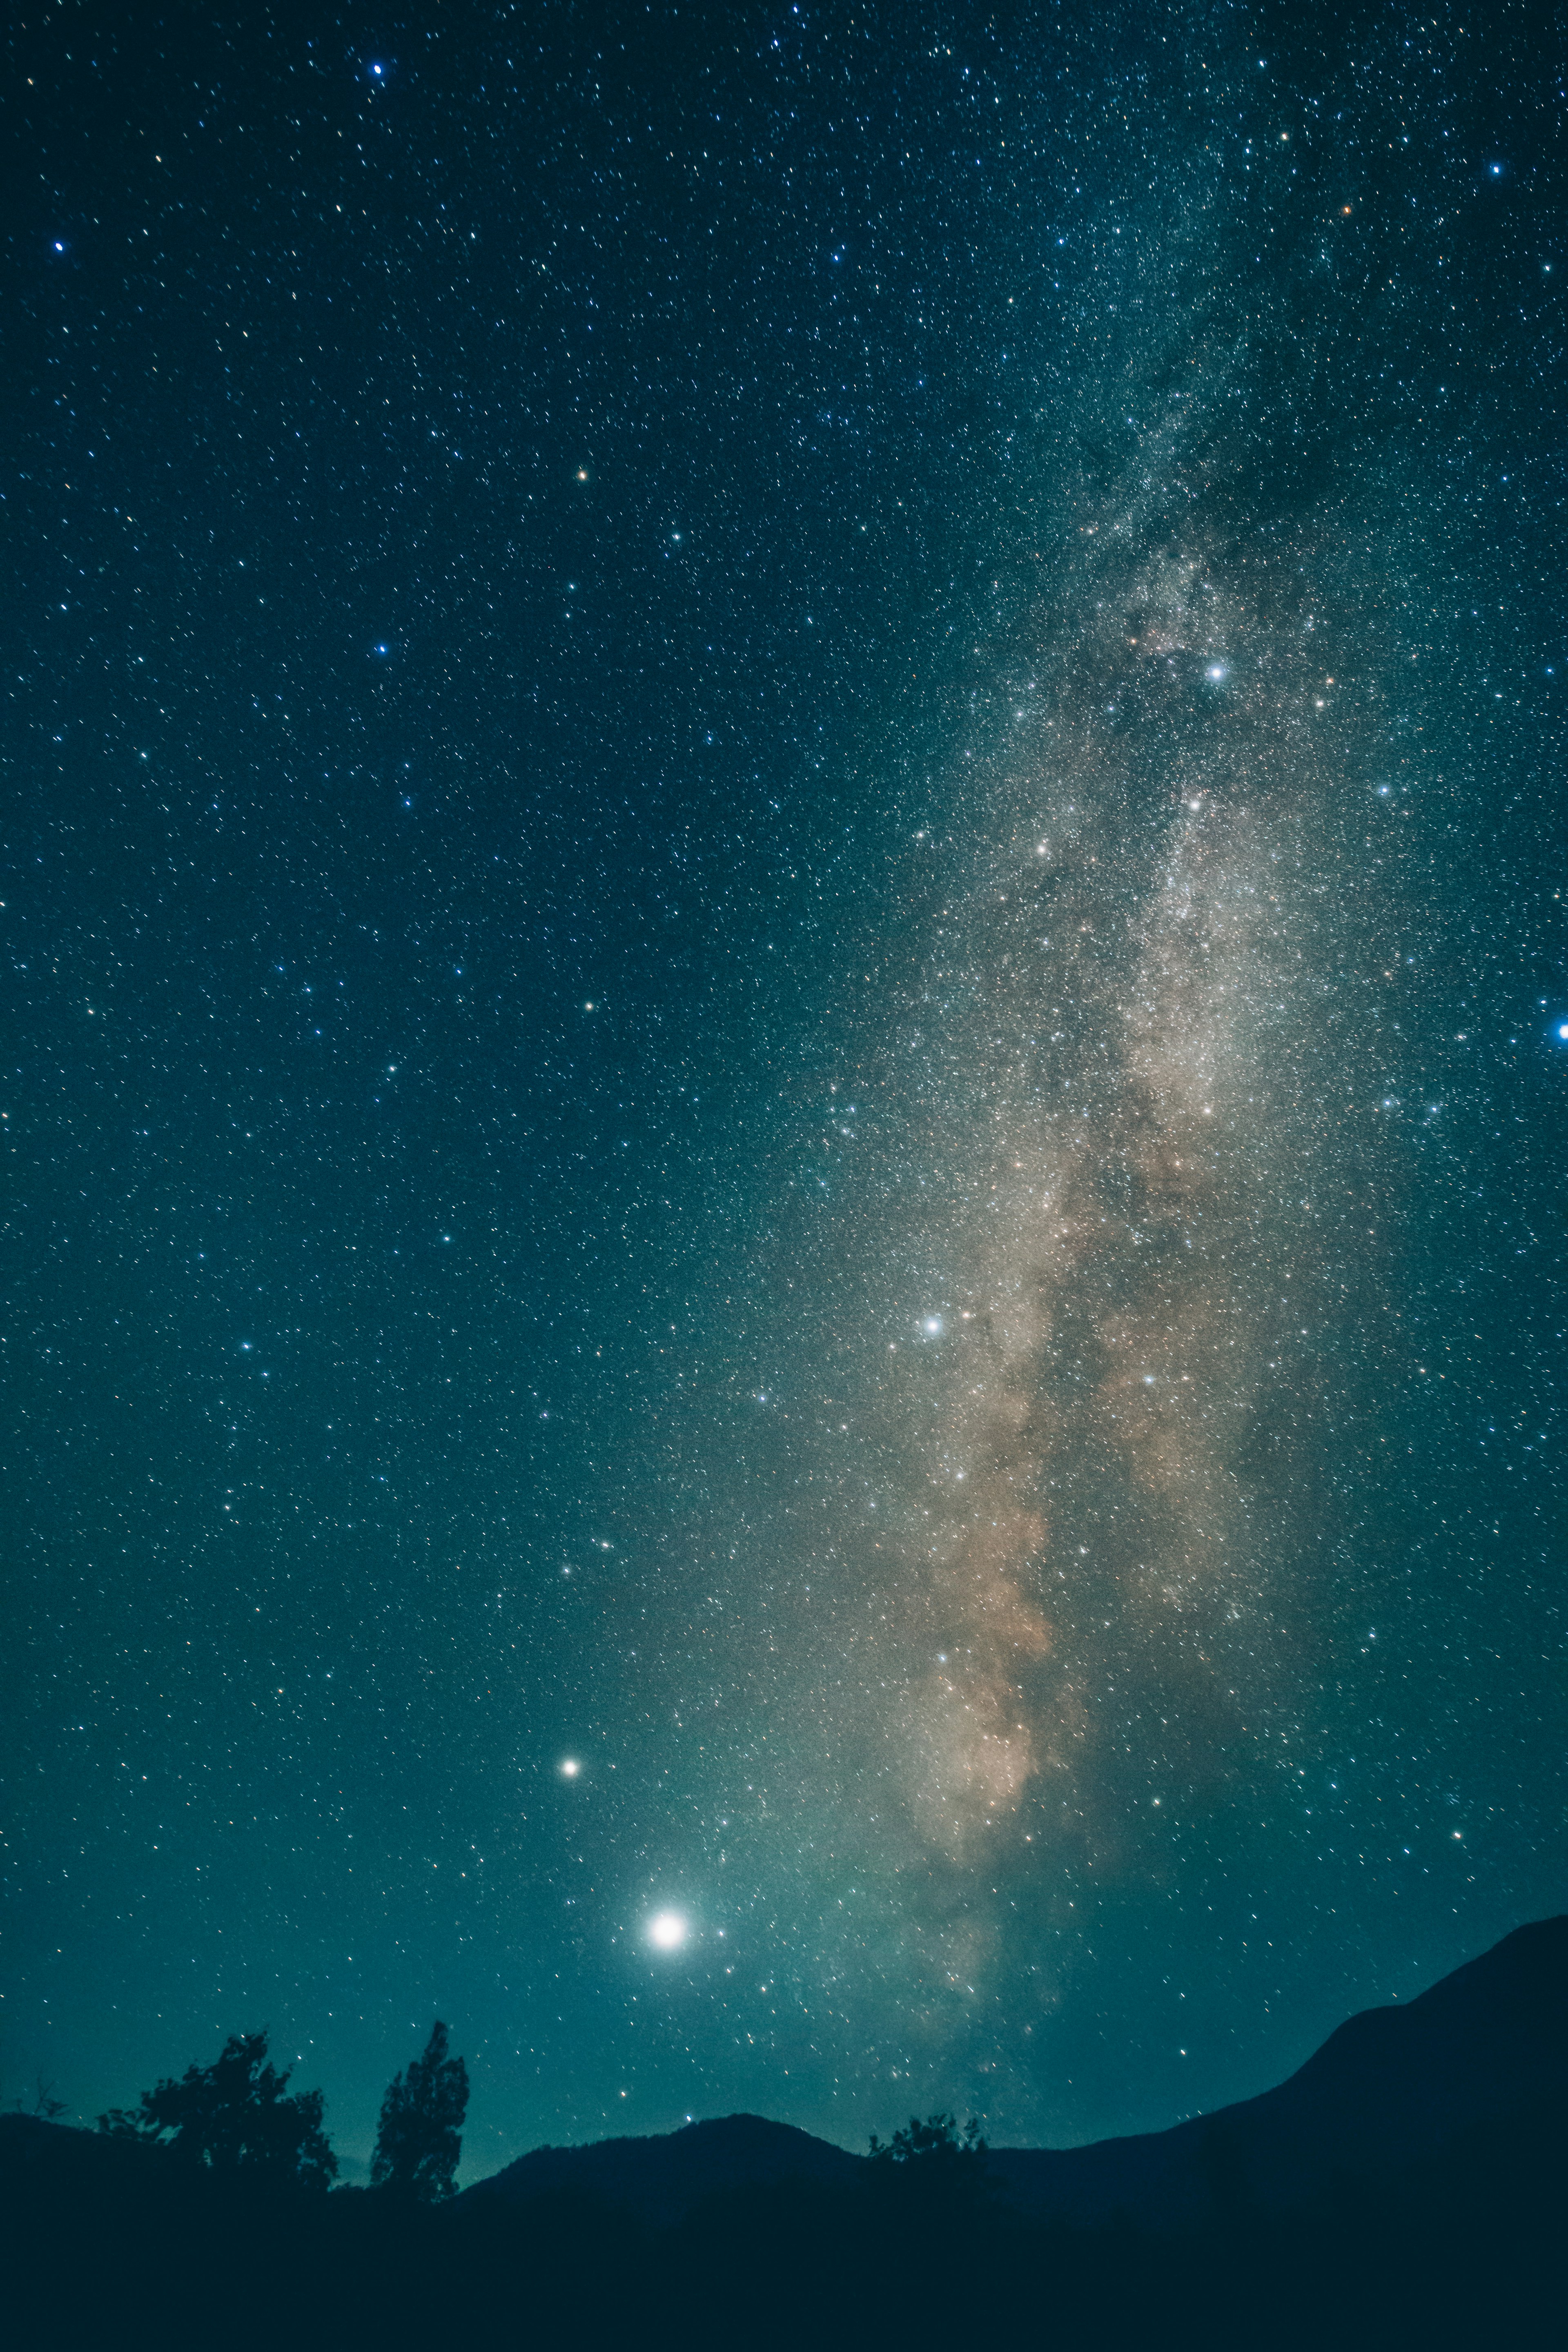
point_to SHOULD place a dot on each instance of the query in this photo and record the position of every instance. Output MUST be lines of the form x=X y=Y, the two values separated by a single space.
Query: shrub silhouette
x=935 y=2145
x=235 y=2116
x=933 y=2163
x=418 y=2139
x=43 y=2103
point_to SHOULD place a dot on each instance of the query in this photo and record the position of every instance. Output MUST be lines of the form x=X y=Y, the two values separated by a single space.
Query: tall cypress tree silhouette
x=419 y=2137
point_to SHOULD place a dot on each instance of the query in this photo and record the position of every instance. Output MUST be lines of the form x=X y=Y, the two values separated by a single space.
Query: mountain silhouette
x=1402 y=2192
x=1390 y=2088
x=659 y=2179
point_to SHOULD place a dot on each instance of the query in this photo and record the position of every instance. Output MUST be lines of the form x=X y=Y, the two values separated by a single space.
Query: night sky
x=786 y=1068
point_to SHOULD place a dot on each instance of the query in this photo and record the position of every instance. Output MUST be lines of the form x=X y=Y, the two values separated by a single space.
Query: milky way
x=1128 y=1190
x=1116 y=1172
x=1145 y=1122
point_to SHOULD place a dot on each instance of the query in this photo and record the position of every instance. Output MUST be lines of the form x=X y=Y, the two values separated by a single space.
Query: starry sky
x=787 y=1047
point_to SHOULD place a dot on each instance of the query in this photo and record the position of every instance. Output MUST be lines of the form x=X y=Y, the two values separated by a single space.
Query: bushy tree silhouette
x=235 y=2116
x=937 y=2143
x=934 y=2162
x=419 y=2137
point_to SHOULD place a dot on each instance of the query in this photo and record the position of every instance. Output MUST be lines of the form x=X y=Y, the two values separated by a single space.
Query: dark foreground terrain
x=1408 y=2186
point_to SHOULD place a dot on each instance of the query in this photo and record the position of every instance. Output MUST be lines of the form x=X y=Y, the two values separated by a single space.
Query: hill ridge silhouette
x=1389 y=2087
x=1402 y=2191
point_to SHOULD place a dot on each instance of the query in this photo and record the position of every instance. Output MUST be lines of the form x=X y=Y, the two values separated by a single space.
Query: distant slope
x=1388 y=2088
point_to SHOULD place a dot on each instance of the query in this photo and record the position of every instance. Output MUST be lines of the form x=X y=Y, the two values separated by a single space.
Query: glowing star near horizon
x=667 y=1931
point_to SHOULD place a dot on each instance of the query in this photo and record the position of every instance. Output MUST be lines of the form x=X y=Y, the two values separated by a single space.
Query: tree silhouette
x=937 y=2143
x=934 y=2163
x=419 y=2137
x=42 y=2105
x=234 y=2116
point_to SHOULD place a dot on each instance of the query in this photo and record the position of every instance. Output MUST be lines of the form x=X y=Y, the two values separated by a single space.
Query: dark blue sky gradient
x=682 y=689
